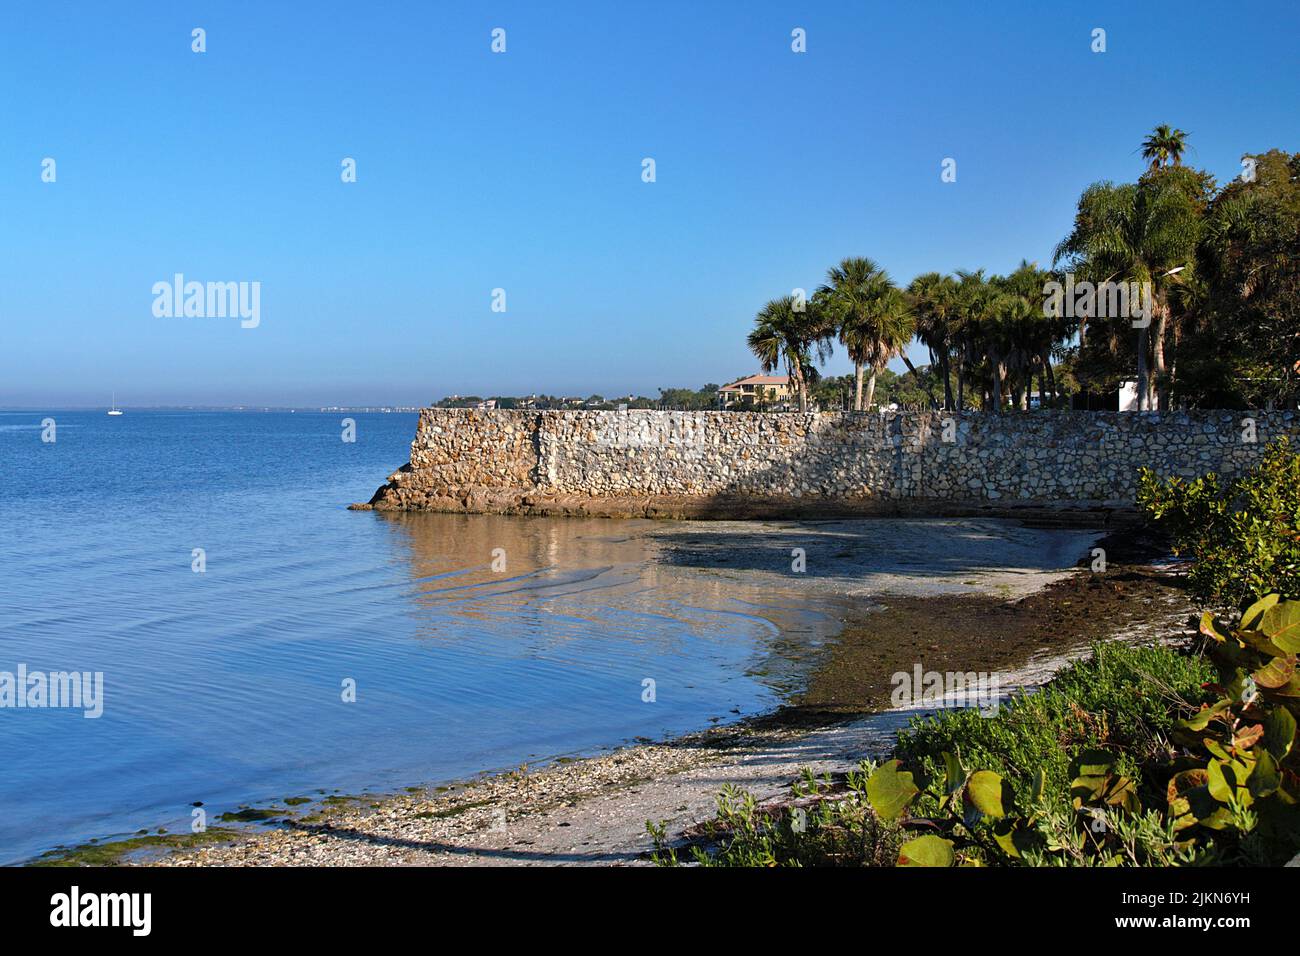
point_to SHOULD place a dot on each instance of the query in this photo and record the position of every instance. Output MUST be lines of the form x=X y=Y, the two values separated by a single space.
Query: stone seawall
x=742 y=464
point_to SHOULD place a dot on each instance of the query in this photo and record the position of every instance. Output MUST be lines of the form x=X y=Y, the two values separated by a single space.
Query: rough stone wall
x=735 y=464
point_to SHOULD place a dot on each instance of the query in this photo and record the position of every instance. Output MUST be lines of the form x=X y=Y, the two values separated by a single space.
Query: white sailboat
x=115 y=410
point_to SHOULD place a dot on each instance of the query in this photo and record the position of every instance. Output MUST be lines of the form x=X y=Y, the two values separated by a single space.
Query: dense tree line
x=1213 y=319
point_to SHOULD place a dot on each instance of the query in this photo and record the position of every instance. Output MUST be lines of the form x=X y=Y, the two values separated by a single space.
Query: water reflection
x=593 y=591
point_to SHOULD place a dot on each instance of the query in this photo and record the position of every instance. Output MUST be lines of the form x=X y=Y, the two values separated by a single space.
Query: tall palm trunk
x=995 y=382
x=1143 y=383
x=945 y=369
x=961 y=381
x=1158 y=345
x=857 y=386
x=794 y=372
x=1051 y=376
x=871 y=389
x=1173 y=360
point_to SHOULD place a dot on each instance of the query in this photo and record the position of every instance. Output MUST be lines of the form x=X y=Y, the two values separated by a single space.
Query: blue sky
x=522 y=171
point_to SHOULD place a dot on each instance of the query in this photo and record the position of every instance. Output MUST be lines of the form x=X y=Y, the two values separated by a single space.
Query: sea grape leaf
x=989 y=793
x=1251 y=618
x=1279 y=732
x=890 y=790
x=928 y=850
x=1281 y=623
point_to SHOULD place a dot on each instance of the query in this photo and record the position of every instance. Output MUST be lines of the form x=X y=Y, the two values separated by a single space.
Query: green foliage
x=687 y=399
x=1049 y=785
x=826 y=825
x=1242 y=345
x=1120 y=698
x=1094 y=770
x=1076 y=774
x=869 y=313
x=890 y=790
x=1164 y=145
x=789 y=333
x=997 y=329
x=1225 y=268
x=928 y=850
x=1082 y=770
x=908 y=390
x=1145 y=233
x=978 y=821
x=1241 y=775
x=1241 y=534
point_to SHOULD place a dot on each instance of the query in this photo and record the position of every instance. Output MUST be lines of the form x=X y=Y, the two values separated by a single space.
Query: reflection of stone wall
x=733 y=464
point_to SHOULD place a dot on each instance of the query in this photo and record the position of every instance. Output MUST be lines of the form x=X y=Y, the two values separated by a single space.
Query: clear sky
x=523 y=171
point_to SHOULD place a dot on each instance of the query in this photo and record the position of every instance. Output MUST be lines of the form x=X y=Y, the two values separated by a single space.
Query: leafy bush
x=1041 y=751
x=1243 y=535
x=969 y=818
x=826 y=825
x=1241 y=776
x=1231 y=791
x=1122 y=697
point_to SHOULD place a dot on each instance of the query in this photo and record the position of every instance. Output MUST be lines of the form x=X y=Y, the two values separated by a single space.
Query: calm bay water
x=226 y=687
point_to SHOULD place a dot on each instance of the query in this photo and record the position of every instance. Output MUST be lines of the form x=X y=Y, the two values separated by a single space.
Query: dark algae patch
x=983 y=633
x=250 y=815
x=119 y=852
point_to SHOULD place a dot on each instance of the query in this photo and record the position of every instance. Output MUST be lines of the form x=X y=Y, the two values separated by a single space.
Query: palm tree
x=1001 y=328
x=871 y=316
x=998 y=311
x=1140 y=233
x=973 y=302
x=1164 y=145
x=934 y=304
x=885 y=336
x=1031 y=336
x=786 y=334
x=852 y=290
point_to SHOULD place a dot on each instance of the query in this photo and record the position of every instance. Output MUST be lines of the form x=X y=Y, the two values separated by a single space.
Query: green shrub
x=1227 y=793
x=1240 y=777
x=967 y=818
x=1149 y=781
x=1122 y=697
x=1243 y=535
x=826 y=825
x=1091 y=746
